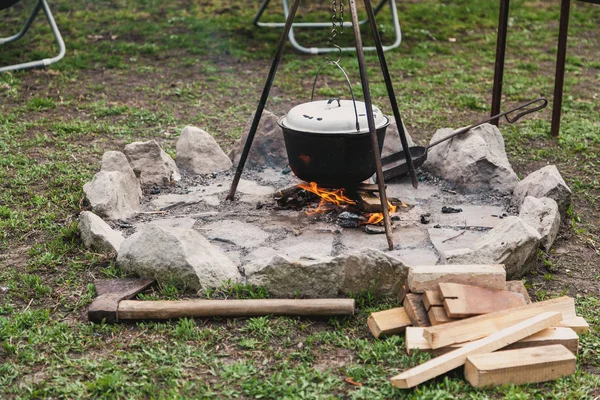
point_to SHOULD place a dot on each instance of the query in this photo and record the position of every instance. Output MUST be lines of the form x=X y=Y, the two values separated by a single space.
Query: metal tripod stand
x=368 y=104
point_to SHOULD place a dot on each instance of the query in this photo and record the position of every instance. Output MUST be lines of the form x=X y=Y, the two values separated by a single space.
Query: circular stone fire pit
x=186 y=233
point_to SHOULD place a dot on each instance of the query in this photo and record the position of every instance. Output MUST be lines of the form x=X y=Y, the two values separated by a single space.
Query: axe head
x=110 y=293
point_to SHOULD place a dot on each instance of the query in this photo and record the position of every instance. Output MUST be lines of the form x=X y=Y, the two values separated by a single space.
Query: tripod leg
x=500 y=55
x=390 y=90
x=371 y=121
x=263 y=101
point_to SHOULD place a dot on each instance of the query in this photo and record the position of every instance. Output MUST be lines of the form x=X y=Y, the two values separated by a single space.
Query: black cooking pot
x=328 y=141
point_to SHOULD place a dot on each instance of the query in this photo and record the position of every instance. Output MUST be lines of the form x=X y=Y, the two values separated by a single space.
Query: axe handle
x=167 y=309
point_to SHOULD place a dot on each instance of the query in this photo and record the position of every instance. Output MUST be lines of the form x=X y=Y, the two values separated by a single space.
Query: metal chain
x=341 y=20
x=333 y=20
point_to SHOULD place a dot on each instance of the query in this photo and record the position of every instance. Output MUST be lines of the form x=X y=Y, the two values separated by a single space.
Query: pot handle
x=312 y=95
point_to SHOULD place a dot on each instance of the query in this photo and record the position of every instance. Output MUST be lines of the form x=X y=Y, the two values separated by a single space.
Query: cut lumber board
x=518 y=287
x=462 y=301
x=432 y=298
x=578 y=324
x=438 y=316
x=368 y=202
x=482 y=325
x=413 y=305
x=388 y=322
x=552 y=336
x=402 y=292
x=556 y=335
x=454 y=359
x=427 y=277
x=517 y=367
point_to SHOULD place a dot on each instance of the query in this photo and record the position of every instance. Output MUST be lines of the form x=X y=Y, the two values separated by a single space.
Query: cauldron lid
x=331 y=116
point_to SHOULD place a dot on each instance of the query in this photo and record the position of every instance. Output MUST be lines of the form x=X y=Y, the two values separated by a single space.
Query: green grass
x=144 y=70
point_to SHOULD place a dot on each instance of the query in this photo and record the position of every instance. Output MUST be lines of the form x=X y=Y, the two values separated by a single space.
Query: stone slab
x=239 y=233
x=309 y=245
x=182 y=223
x=415 y=257
x=472 y=216
x=465 y=240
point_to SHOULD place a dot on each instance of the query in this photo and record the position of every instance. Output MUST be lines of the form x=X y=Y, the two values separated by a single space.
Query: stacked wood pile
x=462 y=314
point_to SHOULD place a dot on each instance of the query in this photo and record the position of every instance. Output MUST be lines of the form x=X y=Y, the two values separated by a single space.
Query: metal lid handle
x=312 y=95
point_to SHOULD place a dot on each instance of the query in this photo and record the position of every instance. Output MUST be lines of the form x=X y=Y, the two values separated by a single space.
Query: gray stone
x=97 y=234
x=329 y=276
x=240 y=233
x=512 y=243
x=473 y=161
x=415 y=257
x=288 y=277
x=198 y=152
x=542 y=214
x=447 y=239
x=151 y=164
x=545 y=182
x=175 y=222
x=374 y=271
x=172 y=200
x=268 y=146
x=258 y=254
x=471 y=216
x=392 y=143
x=252 y=192
x=308 y=245
x=181 y=256
x=114 y=192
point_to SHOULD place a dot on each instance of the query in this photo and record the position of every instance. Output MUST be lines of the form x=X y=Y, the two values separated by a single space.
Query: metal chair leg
x=42 y=4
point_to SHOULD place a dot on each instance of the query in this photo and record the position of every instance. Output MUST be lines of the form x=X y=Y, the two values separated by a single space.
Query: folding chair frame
x=320 y=50
x=41 y=5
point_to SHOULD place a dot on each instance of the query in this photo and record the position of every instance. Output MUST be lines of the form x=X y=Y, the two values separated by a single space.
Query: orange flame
x=375 y=218
x=329 y=198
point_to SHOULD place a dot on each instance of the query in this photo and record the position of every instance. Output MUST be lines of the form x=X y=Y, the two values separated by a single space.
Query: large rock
x=288 y=277
x=114 y=192
x=268 y=146
x=392 y=143
x=181 y=256
x=542 y=214
x=151 y=164
x=368 y=269
x=97 y=234
x=198 y=152
x=512 y=243
x=473 y=161
x=545 y=182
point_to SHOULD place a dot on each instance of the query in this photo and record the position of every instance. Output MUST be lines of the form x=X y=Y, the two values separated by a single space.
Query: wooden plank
x=437 y=316
x=415 y=341
x=578 y=324
x=556 y=335
x=518 y=287
x=402 y=292
x=427 y=277
x=368 y=202
x=462 y=301
x=517 y=367
x=482 y=325
x=552 y=336
x=413 y=305
x=432 y=298
x=388 y=322
x=456 y=358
